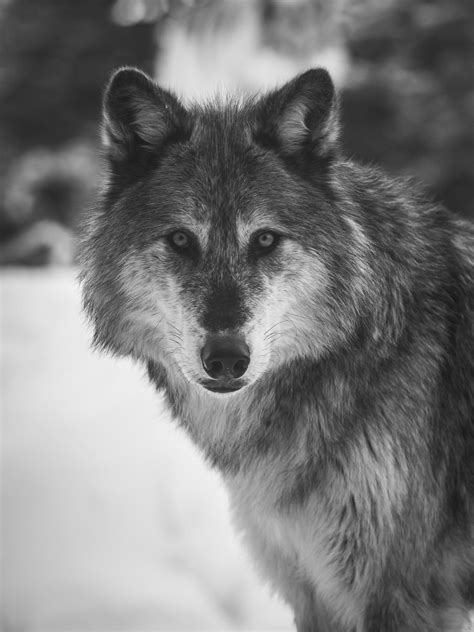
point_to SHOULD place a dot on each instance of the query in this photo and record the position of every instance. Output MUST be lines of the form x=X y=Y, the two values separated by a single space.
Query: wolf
x=310 y=323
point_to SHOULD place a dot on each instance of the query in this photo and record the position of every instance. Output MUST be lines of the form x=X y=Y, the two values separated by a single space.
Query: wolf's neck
x=301 y=408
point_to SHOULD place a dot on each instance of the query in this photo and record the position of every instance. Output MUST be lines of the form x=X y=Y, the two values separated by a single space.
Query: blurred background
x=110 y=520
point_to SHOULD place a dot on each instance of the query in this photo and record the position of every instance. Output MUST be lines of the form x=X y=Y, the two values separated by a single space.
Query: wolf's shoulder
x=403 y=202
x=463 y=239
x=393 y=192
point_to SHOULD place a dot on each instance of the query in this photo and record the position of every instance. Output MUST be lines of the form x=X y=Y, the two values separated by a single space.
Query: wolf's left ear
x=138 y=115
x=301 y=116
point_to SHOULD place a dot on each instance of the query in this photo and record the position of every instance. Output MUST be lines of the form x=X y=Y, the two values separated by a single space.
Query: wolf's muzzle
x=225 y=359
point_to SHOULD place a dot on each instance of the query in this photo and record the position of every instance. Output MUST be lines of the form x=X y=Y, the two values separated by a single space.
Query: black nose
x=225 y=357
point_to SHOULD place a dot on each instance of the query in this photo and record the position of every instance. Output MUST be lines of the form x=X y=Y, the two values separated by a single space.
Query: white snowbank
x=110 y=519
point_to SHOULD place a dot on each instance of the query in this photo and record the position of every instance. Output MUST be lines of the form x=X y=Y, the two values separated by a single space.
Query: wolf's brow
x=200 y=229
x=259 y=221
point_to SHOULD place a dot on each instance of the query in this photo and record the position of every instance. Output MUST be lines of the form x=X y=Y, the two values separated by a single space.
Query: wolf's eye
x=264 y=242
x=179 y=239
x=182 y=242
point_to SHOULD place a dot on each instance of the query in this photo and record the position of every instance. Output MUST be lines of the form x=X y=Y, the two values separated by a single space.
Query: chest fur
x=294 y=546
x=336 y=538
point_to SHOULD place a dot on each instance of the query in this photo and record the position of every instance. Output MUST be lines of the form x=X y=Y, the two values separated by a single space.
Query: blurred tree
x=55 y=56
x=410 y=103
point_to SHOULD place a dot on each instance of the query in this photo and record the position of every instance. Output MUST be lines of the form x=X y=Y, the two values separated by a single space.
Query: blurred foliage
x=55 y=57
x=131 y=12
x=410 y=102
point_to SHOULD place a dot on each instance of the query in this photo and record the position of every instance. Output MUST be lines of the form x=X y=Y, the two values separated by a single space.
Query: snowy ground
x=110 y=520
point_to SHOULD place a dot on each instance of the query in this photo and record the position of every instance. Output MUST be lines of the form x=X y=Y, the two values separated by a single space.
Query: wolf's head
x=217 y=251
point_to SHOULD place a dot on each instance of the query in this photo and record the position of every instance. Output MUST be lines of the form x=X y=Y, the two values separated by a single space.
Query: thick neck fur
x=303 y=419
x=307 y=414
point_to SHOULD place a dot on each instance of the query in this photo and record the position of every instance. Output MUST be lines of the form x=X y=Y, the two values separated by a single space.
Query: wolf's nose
x=225 y=357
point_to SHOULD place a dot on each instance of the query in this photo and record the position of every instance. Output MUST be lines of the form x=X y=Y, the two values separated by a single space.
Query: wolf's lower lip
x=223 y=389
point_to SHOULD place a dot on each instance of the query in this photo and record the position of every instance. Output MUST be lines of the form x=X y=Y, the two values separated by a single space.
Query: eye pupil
x=265 y=240
x=180 y=239
x=263 y=243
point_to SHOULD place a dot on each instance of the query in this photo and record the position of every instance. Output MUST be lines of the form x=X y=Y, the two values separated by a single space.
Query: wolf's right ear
x=301 y=118
x=138 y=115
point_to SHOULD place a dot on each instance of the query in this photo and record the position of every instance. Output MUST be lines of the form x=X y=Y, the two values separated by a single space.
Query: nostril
x=216 y=368
x=240 y=367
x=225 y=357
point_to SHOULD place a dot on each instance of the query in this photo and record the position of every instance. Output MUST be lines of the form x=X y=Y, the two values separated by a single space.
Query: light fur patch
x=148 y=310
x=151 y=122
x=330 y=129
x=464 y=241
x=296 y=320
x=292 y=129
x=311 y=541
x=107 y=131
x=361 y=246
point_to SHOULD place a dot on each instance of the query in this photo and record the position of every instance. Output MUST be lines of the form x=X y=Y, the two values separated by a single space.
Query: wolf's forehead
x=223 y=120
x=229 y=204
x=221 y=191
x=227 y=190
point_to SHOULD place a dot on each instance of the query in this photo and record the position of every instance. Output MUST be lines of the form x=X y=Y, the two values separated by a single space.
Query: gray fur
x=349 y=450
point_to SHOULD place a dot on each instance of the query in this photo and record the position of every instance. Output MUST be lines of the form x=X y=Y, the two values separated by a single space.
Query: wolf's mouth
x=221 y=389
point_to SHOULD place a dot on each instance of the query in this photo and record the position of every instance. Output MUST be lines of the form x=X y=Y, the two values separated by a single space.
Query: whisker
x=280 y=322
x=176 y=329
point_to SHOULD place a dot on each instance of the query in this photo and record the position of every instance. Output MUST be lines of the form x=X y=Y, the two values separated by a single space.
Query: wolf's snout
x=225 y=357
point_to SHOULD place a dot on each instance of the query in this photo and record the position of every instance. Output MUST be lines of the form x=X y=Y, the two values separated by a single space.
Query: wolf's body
x=343 y=422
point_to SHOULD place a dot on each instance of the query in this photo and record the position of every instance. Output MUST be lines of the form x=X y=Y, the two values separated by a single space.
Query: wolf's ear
x=138 y=115
x=301 y=116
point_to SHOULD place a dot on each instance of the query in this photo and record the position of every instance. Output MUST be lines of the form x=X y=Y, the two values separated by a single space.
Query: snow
x=110 y=519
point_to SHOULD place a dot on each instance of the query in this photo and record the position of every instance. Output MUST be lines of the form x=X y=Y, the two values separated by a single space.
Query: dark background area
x=408 y=102
x=411 y=105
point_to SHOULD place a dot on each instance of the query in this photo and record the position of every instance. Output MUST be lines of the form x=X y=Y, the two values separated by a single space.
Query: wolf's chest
x=292 y=544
